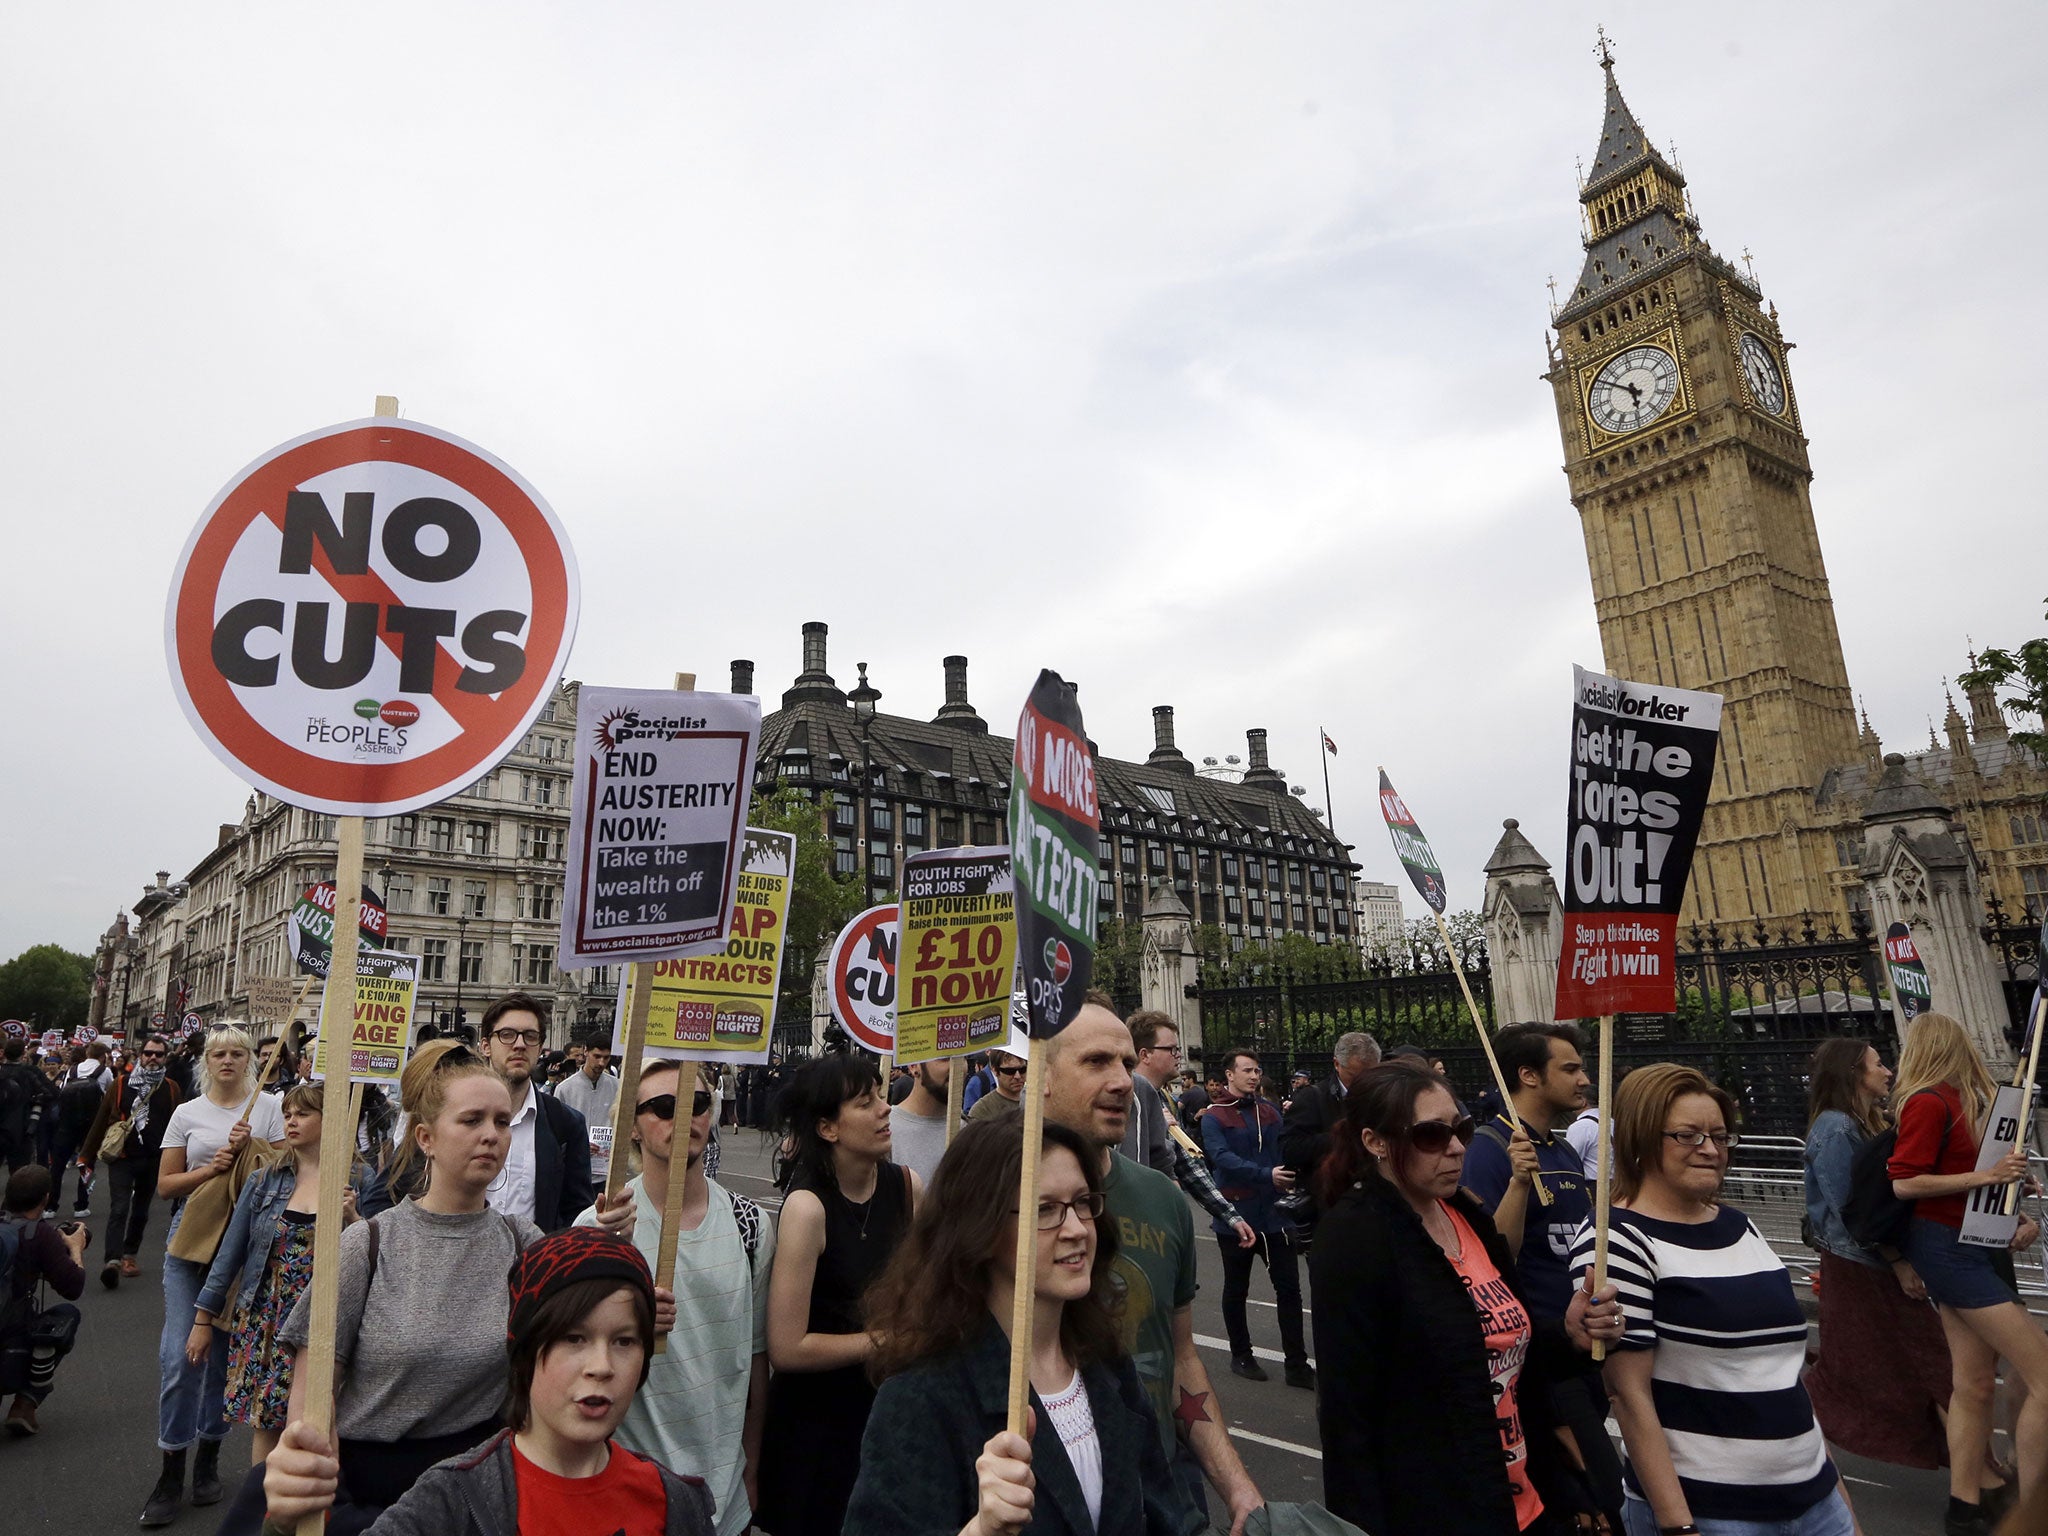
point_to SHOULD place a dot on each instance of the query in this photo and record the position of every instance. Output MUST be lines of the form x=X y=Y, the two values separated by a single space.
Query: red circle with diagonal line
x=436 y=571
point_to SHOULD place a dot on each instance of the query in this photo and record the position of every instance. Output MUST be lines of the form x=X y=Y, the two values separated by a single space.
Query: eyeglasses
x=159 y=1055
x=1697 y=1139
x=663 y=1105
x=516 y=1036
x=1011 y=1071
x=1437 y=1135
x=1171 y=1050
x=1052 y=1214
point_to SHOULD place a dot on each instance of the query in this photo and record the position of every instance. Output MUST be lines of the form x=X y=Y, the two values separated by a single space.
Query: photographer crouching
x=34 y=1253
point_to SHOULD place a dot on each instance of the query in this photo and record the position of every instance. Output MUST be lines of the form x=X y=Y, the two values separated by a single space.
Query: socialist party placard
x=1055 y=819
x=957 y=952
x=1642 y=763
x=657 y=817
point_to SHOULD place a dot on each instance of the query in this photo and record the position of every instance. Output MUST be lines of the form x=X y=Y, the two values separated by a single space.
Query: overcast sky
x=1192 y=350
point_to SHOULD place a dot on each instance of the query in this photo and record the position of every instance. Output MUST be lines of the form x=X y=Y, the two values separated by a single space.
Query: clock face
x=1766 y=384
x=1633 y=388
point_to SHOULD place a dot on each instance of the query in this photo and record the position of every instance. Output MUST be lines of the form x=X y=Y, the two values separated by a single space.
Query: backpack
x=17 y=1297
x=14 y=1104
x=1875 y=1216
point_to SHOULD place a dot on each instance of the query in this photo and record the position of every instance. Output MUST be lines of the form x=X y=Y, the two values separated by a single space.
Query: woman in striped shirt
x=1720 y=1435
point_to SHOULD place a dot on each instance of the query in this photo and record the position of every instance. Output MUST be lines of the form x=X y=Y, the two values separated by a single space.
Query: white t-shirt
x=1074 y=1417
x=201 y=1127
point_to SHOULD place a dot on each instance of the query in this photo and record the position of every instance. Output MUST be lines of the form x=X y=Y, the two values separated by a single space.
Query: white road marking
x=1222 y=1346
x=1253 y=1301
x=1278 y=1445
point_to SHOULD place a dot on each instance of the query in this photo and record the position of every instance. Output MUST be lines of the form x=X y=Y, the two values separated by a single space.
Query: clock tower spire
x=1689 y=472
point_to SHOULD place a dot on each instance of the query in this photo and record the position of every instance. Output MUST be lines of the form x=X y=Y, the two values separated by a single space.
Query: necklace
x=1452 y=1243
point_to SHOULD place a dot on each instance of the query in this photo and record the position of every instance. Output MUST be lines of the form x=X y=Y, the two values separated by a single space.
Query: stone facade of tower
x=1688 y=467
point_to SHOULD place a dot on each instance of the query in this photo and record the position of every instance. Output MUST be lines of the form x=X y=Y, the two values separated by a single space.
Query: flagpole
x=1323 y=747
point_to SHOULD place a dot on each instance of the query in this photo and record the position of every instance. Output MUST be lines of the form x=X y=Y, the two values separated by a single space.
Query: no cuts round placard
x=861 y=972
x=369 y=616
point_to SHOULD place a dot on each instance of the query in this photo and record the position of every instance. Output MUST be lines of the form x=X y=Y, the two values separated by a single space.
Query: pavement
x=95 y=1461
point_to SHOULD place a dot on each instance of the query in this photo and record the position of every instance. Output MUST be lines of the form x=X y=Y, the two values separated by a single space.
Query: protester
x=982 y=1080
x=917 y=1125
x=140 y=1105
x=1431 y=1405
x=265 y=1262
x=1193 y=1098
x=80 y=1088
x=1153 y=1135
x=702 y=1404
x=1009 y=1077
x=24 y=1090
x=33 y=1253
x=201 y=1143
x=593 y=1092
x=847 y=1208
x=286 y=1074
x=1088 y=1090
x=1705 y=1380
x=1583 y=1137
x=1944 y=1095
x=1305 y=1131
x=579 y=1330
x=937 y=1457
x=1241 y=1135
x=421 y=1302
x=546 y=1177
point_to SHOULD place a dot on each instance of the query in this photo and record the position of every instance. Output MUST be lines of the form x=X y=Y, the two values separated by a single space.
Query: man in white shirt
x=593 y=1093
x=701 y=1409
x=917 y=1126
x=546 y=1177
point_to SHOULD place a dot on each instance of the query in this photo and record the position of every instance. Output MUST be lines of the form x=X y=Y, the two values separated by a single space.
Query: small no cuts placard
x=1910 y=983
x=656 y=821
x=860 y=978
x=380 y=1039
x=958 y=953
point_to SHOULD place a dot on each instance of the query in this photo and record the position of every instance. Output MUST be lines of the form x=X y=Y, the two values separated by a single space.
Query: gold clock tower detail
x=1688 y=468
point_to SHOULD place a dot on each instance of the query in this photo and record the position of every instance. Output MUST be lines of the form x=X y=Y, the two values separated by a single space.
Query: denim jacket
x=245 y=1248
x=1830 y=1148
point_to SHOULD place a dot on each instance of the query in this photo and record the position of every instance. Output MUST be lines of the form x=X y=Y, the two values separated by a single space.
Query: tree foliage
x=820 y=900
x=48 y=986
x=2025 y=672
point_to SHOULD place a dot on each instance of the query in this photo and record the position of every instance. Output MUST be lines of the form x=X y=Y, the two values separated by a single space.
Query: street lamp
x=863 y=699
x=461 y=929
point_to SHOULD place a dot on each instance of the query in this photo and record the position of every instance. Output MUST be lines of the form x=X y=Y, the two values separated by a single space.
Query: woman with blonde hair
x=202 y=1141
x=1944 y=1095
x=1719 y=1432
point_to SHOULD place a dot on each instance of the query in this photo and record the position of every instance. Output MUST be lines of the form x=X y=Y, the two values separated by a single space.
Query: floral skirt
x=259 y=1381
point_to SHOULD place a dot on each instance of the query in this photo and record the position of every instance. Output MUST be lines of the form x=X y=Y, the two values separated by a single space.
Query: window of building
x=2034 y=881
x=472 y=960
x=1316 y=881
x=440 y=834
x=1255 y=871
x=398 y=893
x=1258 y=910
x=473 y=898
x=1338 y=885
x=882 y=819
x=1343 y=916
x=1105 y=850
x=319 y=828
x=1230 y=868
x=539 y=901
x=434 y=960
x=1155 y=858
x=843 y=813
x=1233 y=908
x=845 y=860
x=399 y=942
x=540 y=965
x=1183 y=861
x=914 y=824
x=882 y=868
x=1294 y=877
x=1299 y=914
x=481 y=789
x=476 y=838
x=984 y=831
x=2026 y=828
x=438 y=890
x=949 y=830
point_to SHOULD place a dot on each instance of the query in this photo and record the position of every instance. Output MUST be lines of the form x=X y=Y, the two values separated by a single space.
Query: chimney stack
x=1164 y=753
x=1258 y=770
x=742 y=677
x=956 y=711
x=814 y=651
x=813 y=684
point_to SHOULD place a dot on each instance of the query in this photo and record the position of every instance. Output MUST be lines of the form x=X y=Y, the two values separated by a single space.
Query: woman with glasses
x=937 y=1458
x=1944 y=1095
x=847 y=1208
x=1719 y=1434
x=1426 y=1358
x=141 y=1106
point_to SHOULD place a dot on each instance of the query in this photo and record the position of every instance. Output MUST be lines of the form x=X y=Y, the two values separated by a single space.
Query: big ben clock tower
x=1687 y=465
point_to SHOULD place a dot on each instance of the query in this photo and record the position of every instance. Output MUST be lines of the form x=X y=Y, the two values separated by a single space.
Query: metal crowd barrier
x=1767 y=1182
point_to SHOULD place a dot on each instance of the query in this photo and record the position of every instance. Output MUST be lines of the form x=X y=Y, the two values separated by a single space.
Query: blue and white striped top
x=1717 y=1306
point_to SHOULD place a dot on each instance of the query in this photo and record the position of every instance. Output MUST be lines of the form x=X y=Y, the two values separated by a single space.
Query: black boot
x=168 y=1497
x=206 y=1474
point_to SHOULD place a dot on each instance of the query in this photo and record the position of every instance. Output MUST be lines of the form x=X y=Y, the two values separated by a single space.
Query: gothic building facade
x=1687 y=463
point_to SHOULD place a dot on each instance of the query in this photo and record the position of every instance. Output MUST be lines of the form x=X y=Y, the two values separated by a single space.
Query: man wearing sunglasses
x=703 y=1404
x=546 y=1177
x=144 y=1100
x=1009 y=1092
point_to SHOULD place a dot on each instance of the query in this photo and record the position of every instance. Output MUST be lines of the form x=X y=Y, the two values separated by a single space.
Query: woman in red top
x=1944 y=1094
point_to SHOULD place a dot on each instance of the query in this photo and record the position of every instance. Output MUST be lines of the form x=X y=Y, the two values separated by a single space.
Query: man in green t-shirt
x=1088 y=1089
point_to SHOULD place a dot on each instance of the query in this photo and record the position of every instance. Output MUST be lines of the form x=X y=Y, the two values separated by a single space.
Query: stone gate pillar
x=1167 y=963
x=1920 y=870
x=1524 y=929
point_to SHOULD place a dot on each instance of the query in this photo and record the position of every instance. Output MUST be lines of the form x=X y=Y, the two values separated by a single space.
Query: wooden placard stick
x=1024 y=1296
x=2030 y=1075
x=1507 y=1102
x=337 y=1139
x=1605 y=1147
x=956 y=1094
x=672 y=1208
x=639 y=998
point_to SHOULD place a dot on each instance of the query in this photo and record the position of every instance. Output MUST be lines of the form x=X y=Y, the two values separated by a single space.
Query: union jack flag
x=1329 y=746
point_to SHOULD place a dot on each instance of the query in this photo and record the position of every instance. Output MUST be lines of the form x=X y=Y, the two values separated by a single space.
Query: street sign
x=369 y=616
x=1910 y=984
x=85 y=1034
x=861 y=975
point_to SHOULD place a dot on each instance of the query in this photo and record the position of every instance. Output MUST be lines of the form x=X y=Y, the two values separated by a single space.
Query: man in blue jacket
x=1241 y=1134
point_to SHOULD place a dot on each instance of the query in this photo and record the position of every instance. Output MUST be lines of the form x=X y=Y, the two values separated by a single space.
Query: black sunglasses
x=1011 y=1071
x=1436 y=1135
x=663 y=1105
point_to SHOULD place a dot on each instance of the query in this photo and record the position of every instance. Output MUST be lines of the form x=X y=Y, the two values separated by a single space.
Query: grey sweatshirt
x=421 y=1351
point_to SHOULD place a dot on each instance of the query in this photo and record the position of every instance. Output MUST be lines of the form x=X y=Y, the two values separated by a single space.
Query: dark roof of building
x=1935 y=768
x=1624 y=147
x=940 y=761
